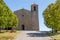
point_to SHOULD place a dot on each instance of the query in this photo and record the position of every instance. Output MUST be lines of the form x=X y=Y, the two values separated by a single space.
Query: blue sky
x=26 y=4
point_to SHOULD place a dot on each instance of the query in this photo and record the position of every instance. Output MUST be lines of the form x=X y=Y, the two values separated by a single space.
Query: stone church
x=28 y=19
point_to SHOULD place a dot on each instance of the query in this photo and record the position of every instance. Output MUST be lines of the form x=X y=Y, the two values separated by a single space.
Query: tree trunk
x=7 y=29
x=52 y=30
x=55 y=31
x=12 y=30
x=0 y=30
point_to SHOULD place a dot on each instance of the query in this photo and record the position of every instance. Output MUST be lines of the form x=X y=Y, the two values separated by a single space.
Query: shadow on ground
x=38 y=34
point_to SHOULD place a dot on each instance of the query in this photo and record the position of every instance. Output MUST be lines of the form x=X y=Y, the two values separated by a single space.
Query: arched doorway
x=23 y=27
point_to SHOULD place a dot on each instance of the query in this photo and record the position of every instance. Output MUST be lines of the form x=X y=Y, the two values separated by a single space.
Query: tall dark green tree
x=7 y=17
x=52 y=16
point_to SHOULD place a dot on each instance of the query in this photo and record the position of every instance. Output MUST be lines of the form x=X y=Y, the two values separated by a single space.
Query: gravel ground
x=32 y=35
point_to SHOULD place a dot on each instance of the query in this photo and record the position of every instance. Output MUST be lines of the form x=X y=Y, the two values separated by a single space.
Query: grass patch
x=8 y=35
x=55 y=36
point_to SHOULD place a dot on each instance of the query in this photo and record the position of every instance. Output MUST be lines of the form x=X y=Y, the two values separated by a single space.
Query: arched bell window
x=34 y=8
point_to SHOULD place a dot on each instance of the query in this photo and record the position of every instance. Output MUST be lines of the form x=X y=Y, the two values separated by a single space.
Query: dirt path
x=32 y=35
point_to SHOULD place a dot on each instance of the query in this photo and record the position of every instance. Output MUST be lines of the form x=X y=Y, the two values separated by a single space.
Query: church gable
x=23 y=12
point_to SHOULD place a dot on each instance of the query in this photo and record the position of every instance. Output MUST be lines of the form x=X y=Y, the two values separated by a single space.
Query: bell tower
x=34 y=7
x=35 y=21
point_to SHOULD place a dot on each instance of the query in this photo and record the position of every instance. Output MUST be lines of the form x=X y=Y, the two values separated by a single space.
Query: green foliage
x=7 y=17
x=52 y=16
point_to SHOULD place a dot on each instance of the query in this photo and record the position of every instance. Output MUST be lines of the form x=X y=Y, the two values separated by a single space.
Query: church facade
x=28 y=20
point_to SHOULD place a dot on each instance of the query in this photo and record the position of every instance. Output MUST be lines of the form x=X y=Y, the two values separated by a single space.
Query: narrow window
x=34 y=8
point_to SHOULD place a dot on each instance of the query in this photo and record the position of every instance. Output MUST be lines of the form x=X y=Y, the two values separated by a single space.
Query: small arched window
x=34 y=8
x=22 y=15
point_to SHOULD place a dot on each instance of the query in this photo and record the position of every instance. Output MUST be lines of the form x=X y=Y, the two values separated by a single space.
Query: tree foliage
x=7 y=17
x=52 y=15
